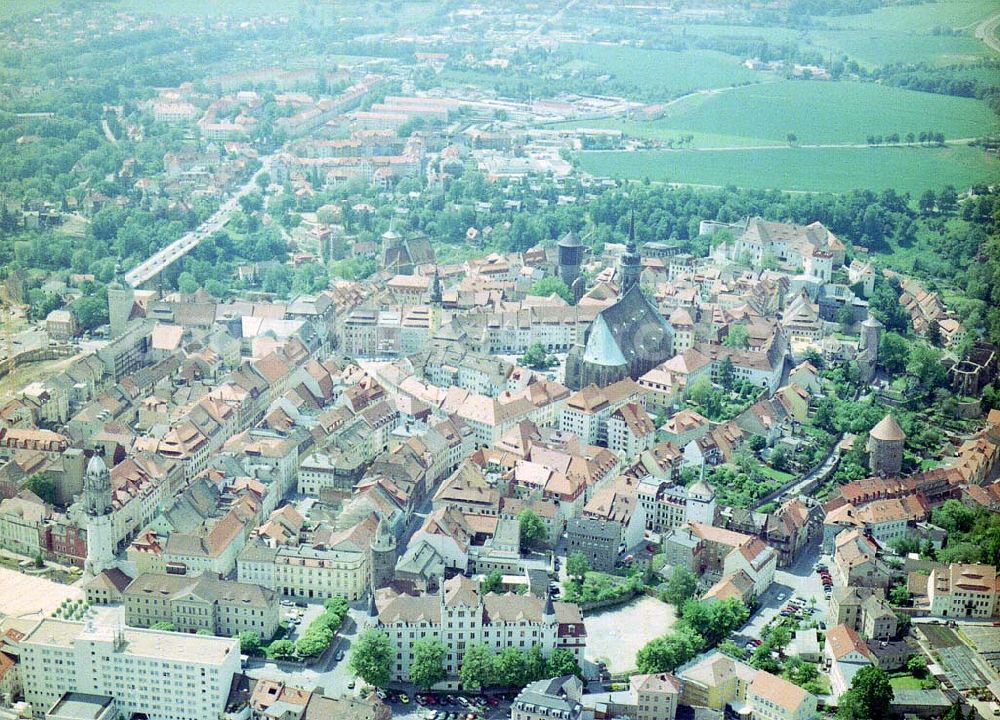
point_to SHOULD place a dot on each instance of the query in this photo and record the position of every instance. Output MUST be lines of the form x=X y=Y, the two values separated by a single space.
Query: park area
x=616 y=635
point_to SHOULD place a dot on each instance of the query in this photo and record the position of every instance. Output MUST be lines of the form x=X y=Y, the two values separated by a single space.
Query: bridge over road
x=162 y=259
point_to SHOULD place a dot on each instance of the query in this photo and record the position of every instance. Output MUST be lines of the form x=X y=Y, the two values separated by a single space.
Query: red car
x=493 y=701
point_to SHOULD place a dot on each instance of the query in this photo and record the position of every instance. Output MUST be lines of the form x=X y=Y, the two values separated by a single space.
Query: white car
x=781 y=597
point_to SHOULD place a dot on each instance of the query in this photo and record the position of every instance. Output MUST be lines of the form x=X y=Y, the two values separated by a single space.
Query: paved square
x=615 y=635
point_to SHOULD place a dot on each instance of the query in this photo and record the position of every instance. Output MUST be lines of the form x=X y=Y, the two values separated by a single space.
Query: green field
x=816 y=112
x=662 y=74
x=872 y=48
x=910 y=170
x=921 y=17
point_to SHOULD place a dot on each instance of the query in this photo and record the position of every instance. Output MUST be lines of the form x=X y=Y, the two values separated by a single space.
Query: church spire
x=435 y=289
x=631 y=263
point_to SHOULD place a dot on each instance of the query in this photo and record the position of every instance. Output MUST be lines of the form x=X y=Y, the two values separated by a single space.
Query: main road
x=159 y=261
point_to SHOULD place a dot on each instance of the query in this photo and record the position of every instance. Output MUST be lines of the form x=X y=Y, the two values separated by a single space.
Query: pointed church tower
x=97 y=498
x=435 y=294
x=630 y=266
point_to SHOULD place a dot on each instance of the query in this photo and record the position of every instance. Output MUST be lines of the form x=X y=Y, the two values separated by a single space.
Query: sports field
x=910 y=170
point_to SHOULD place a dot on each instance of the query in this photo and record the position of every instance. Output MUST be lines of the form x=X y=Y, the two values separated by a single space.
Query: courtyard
x=616 y=635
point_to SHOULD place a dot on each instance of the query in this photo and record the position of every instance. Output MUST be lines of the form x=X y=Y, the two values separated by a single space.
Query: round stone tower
x=383 y=555
x=570 y=258
x=871 y=336
x=885 y=447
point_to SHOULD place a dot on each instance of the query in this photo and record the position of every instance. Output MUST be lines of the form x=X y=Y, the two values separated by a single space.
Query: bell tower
x=631 y=263
x=97 y=503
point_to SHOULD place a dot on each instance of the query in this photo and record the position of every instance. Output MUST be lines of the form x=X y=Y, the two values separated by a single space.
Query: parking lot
x=437 y=706
x=799 y=580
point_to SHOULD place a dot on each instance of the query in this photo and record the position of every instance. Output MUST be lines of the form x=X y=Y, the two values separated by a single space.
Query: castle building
x=97 y=502
x=885 y=447
x=461 y=615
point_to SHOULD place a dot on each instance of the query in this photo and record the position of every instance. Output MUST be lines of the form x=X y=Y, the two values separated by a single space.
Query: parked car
x=339 y=656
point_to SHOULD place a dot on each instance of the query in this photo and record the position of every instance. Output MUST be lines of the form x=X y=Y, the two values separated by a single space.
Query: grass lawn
x=905 y=681
x=836 y=170
x=776 y=475
x=658 y=74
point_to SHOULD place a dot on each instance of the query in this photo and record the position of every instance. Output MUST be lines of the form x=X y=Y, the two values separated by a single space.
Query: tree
x=532 y=528
x=491 y=583
x=536 y=358
x=933 y=334
x=954 y=516
x=205 y=632
x=249 y=642
x=899 y=595
x=427 y=668
x=314 y=641
x=925 y=364
x=713 y=621
x=278 y=280
x=726 y=376
x=664 y=654
x=90 y=312
x=42 y=485
x=845 y=316
x=281 y=649
x=947 y=199
x=737 y=337
x=792 y=138
x=870 y=695
x=577 y=566
x=164 y=625
x=927 y=202
x=511 y=668
x=954 y=713
x=187 y=283
x=779 y=458
x=535 y=665
x=681 y=586
x=917 y=666
x=548 y=285
x=700 y=391
x=478 y=668
x=562 y=662
x=893 y=353
x=372 y=657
